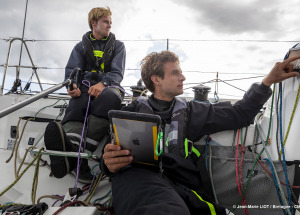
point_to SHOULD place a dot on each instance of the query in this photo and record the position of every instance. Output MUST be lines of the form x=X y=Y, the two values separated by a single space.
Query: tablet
x=136 y=132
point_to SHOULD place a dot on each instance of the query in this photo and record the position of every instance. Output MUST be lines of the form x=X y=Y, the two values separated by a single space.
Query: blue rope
x=103 y=197
x=274 y=171
x=276 y=184
x=282 y=148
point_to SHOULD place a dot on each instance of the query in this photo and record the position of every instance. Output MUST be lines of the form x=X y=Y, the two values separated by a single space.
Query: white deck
x=21 y=191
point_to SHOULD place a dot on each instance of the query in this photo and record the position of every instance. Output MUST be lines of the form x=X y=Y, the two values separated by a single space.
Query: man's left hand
x=281 y=71
x=96 y=90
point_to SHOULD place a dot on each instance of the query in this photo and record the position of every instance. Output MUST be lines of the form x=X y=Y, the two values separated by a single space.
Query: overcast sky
x=238 y=39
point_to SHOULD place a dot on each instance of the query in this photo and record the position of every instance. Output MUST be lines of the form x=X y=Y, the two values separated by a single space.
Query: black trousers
x=139 y=191
x=109 y=99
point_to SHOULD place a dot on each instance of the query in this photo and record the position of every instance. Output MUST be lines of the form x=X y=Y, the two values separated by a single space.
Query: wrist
x=266 y=82
x=105 y=83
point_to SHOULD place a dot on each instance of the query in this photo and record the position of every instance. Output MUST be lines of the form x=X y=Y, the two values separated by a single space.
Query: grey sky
x=157 y=20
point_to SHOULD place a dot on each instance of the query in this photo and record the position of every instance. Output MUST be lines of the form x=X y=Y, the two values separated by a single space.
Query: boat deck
x=47 y=185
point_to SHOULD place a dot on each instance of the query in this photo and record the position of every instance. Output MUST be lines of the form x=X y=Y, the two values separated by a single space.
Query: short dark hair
x=153 y=64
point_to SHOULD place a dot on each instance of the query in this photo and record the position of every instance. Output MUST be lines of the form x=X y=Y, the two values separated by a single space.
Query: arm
x=115 y=76
x=76 y=60
x=207 y=119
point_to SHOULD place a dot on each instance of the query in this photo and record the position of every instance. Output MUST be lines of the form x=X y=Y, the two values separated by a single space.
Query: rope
x=241 y=179
x=292 y=117
x=60 y=199
x=282 y=149
x=276 y=185
x=242 y=152
x=17 y=147
x=86 y=83
x=277 y=126
x=142 y=92
x=35 y=178
x=255 y=161
x=268 y=173
x=23 y=160
x=9 y=204
x=49 y=106
x=102 y=208
x=101 y=198
x=97 y=182
x=275 y=173
x=95 y=186
x=15 y=150
x=44 y=132
x=238 y=171
x=91 y=186
x=48 y=196
x=18 y=178
x=216 y=97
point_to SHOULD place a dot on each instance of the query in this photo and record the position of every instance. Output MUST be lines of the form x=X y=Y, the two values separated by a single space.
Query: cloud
x=232 y=17
x=49 y=20
x=155 y=20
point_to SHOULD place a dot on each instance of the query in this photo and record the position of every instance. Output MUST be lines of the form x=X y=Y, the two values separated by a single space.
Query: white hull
x=47 y=185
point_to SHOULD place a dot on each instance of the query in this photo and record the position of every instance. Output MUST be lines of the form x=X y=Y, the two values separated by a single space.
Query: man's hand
x=115 y=158
x=75 y=92
x=281 y=71
x=96 y=89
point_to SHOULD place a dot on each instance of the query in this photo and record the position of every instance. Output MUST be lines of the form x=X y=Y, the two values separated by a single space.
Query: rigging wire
x=130 y=69
x=179 y=40
x=207 y=82
x=224 y=73
x=23 y=33
x=232 y=85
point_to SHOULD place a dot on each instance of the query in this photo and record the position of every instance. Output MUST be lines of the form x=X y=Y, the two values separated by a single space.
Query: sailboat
x=254 y=170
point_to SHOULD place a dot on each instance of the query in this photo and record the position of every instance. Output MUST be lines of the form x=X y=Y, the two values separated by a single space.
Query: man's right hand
x=116 y=158
x=75 y=92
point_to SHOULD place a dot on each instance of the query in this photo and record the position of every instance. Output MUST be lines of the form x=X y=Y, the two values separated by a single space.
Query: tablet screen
x=136 y=132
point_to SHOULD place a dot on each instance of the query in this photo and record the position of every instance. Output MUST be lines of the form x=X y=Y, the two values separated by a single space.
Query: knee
x=111 y=94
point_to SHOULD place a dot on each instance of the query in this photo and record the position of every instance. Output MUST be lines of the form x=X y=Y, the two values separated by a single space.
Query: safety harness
x=98 y=60
x=176 y=141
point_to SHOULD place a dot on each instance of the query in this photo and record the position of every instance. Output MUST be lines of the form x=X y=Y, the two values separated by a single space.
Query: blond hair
x=96 y=13
x=153 y=64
